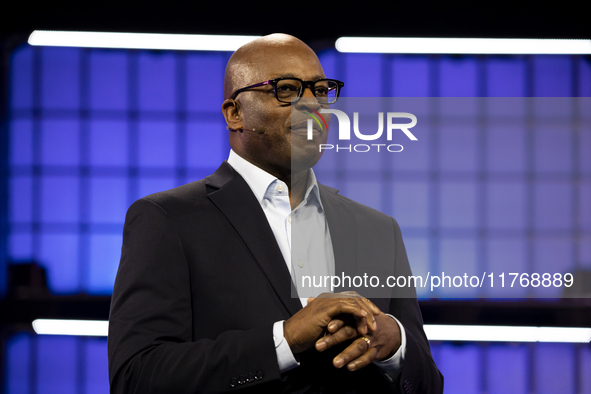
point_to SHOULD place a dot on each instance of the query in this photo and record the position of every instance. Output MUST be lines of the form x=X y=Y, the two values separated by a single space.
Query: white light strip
x=434 y=332
x=507 y=334
x=504 y=46
x=184 y=42
x=97 y=328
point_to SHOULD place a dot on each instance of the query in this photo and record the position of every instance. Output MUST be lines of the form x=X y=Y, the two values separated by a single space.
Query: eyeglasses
x=290 y=90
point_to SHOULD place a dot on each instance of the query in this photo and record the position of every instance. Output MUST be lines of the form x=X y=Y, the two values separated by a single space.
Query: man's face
x=276 y=146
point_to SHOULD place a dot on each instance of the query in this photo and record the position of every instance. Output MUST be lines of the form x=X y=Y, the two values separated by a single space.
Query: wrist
x=394 y=339
x=287 y=337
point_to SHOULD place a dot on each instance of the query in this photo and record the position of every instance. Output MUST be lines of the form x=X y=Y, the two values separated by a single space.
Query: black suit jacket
x=202 y=280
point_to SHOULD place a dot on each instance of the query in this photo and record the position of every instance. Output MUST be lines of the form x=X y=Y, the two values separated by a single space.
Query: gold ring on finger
x=366 y=339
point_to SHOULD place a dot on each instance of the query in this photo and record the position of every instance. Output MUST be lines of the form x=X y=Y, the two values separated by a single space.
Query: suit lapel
x=343 y=230
x=233 y=197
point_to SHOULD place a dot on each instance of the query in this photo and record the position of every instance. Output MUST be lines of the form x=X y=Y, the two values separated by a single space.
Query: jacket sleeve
x=419 y=372
x=151 y=346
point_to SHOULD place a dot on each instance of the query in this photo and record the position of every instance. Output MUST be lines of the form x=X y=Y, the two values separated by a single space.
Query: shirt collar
x=313 y=191
x=260 y=181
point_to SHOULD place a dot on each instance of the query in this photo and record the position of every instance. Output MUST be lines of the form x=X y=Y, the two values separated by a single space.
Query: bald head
x=249 y=64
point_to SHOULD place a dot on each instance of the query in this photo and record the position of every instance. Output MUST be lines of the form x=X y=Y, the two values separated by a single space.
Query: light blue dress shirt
x=316 y=259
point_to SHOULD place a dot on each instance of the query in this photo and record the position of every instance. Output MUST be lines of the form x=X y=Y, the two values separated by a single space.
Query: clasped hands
x=331 y=319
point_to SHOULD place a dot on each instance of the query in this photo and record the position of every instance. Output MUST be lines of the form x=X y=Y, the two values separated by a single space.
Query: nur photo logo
x=391 y=119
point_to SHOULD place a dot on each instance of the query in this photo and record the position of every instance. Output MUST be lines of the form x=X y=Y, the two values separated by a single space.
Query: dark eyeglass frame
x=304 y=85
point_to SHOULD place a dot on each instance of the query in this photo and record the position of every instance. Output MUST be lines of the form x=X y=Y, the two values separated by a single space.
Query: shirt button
x=280 y=188
x=301 y=263
x=289 y=218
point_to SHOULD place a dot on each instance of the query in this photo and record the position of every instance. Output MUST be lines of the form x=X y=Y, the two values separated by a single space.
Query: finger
x=344 y=294
x=364 y=360
x=348 y=306
x=367 y=321
x=372 y=310
x=350 y=293
x=370 y=321
x=335 y=325
x=362 y=325
x=352 y=352
x=344 y=334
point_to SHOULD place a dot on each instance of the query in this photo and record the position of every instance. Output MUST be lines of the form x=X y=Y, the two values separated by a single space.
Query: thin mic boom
x=231 y=129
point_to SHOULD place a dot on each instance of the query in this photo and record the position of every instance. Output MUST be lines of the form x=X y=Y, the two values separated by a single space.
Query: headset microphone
x=231 y=129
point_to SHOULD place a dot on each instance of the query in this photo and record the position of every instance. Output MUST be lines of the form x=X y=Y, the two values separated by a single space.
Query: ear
x=233 y=114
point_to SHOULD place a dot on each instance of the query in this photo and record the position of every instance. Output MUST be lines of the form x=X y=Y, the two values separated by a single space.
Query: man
x=202 y=300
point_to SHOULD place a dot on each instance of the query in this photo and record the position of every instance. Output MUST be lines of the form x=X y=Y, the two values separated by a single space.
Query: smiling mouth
x=302 y=129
